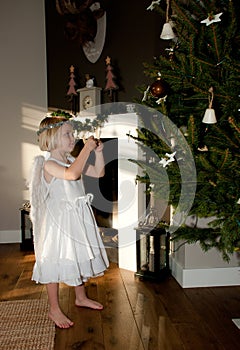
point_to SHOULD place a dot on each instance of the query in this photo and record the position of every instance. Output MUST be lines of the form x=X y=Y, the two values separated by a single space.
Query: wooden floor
x=137 y=315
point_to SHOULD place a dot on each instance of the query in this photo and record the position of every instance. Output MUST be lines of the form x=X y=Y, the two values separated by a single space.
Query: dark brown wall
x=132 y=38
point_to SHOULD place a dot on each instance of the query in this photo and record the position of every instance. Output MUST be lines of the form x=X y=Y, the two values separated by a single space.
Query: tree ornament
x=161 y=99
x=167 y=31
x=209 y=116
x=159 y=88
x=153 y=4
x=169 y=158
x=145 y=94
x=212 y=19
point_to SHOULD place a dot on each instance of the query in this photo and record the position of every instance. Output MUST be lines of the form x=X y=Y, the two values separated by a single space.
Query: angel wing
x=38 y=192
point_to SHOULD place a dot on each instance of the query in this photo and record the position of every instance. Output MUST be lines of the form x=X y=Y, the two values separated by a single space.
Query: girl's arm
x=98 y=169
x=75 y=170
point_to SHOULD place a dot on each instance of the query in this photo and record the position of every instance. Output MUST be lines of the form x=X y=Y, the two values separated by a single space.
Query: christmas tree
x=196 y=83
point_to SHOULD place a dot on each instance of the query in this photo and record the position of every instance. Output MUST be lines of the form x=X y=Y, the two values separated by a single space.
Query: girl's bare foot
x=89 y=303
x=60 y=319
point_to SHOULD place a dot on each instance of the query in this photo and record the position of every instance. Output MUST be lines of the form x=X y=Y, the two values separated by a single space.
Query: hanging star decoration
x=212 y=19
x=168 y=159
x=159 y=101
x=203 y=149
x=145 y=94
x=153 y=4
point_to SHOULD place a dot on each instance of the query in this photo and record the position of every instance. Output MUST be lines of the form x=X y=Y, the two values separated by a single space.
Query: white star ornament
x=151 y=7
x=212 y=18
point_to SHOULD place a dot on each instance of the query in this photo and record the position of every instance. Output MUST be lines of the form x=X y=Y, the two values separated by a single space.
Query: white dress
x=67 y=243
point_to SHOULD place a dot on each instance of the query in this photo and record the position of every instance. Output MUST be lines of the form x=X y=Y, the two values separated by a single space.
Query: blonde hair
x=48 y=132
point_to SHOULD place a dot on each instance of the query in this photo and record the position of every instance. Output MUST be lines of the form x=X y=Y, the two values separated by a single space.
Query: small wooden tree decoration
x=111 y=87
x=71 y=91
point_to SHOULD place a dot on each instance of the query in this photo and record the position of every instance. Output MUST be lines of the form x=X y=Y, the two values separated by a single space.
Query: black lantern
x=152 y=253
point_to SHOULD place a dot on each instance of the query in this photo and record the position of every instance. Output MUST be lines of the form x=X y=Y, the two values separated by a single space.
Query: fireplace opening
x=105 y=194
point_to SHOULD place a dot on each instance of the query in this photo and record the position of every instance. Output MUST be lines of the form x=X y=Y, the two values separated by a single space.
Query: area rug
x=24 y=325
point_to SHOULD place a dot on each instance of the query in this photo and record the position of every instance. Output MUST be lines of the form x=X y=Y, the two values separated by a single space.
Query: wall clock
x=89 y=98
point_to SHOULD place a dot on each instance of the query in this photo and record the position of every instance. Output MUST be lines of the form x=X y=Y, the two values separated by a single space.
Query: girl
x=67 y=244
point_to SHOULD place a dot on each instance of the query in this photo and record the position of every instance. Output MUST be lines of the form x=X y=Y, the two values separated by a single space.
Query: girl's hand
x=99 y=147
x=91 y=143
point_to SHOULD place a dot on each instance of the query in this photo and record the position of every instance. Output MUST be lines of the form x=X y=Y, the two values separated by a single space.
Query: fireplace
x=105 y=194
x=119 y=202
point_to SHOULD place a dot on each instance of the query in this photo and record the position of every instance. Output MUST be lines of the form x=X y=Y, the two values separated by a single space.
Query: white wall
x=23 y=102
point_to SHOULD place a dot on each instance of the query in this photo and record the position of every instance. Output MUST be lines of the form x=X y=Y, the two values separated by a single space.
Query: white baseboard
x=10 y=236
x=210 y=277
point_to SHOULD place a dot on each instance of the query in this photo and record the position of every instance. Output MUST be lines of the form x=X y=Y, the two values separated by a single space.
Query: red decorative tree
x=110 y=80
x=71 y=91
